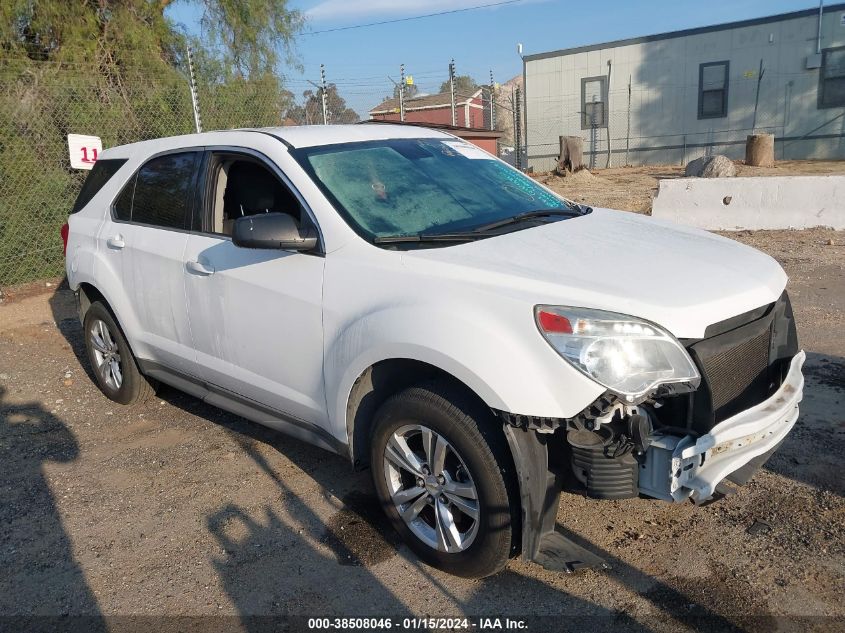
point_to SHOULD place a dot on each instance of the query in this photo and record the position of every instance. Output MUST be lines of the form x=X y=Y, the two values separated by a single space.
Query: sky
x=362 y=61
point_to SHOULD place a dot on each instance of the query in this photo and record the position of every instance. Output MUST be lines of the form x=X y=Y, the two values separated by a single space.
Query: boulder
x=710 y=167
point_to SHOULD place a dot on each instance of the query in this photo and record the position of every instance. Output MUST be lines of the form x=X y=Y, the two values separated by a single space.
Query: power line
x=414 y=17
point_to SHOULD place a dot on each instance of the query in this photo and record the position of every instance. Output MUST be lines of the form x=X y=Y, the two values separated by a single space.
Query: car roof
x=295 y=136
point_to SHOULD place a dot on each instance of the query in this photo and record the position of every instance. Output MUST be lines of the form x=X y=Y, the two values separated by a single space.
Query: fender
x=510 y=369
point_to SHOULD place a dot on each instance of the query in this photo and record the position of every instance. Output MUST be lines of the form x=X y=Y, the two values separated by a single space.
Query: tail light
x=64 y=231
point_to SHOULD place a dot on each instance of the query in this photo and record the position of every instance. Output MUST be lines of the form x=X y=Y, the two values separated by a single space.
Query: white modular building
x=669 y=98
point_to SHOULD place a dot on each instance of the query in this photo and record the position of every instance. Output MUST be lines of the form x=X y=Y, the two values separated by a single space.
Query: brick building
x=469 y=110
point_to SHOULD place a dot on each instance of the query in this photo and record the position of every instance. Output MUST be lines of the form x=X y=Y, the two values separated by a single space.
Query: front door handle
x=116 y=242
x=200 y=269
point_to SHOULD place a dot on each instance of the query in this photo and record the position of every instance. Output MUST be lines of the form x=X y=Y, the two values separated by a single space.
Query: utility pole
x=452 y=91
x=323 y=93
x=518 y=130
x=401 y=92
x=193 y=83
x=492 y=102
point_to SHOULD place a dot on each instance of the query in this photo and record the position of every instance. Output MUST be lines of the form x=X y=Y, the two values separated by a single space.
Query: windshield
x=421 y=186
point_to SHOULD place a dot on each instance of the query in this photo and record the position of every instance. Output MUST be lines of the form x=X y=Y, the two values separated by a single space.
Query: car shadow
x=41 y=585
x=358 y=537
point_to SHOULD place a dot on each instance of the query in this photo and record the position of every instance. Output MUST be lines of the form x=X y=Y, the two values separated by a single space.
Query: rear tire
x=439 y=461
x=112 y=362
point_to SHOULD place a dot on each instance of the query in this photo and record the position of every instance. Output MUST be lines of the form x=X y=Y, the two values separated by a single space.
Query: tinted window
x=103 y=170
x=163 y=191
x=123 y=203
x=832 y=78
x=713 y=90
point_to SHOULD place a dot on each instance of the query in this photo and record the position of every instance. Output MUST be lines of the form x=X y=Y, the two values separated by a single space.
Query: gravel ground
x=174 y=508
x=633 y=188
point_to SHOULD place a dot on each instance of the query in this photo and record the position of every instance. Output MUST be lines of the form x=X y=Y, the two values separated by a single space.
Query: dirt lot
x=633 y=188
x=176 y=508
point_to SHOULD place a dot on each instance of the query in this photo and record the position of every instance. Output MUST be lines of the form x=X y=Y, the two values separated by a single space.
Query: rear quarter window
x=123 y=203
x=102 y=172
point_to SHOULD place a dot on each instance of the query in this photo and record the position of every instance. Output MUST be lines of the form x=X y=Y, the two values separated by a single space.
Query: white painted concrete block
x=777 y=202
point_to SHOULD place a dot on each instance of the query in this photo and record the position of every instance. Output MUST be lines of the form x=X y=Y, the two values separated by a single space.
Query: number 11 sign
x=84 y=150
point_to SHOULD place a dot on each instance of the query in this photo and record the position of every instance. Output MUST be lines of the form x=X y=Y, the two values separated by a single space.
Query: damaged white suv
x=402 y=298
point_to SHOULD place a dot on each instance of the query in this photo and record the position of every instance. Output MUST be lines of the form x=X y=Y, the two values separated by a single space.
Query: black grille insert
x=738 y=371
x=741 y=361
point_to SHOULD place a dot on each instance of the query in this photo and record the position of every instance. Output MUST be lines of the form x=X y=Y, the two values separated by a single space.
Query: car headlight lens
x=625 y=354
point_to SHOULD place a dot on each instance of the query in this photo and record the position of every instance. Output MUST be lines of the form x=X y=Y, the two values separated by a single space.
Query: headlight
x=627 y=355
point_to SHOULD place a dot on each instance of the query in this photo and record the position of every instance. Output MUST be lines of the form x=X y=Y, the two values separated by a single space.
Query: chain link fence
x=41 y=104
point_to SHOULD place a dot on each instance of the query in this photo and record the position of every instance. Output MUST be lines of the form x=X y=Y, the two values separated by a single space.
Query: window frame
x=133 y=179
x=204 y=209
x=586 y=125
x=820 y=103
x=726 y=90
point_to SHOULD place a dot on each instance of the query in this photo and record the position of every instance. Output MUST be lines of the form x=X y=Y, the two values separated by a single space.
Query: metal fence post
x=323 y=93
x=452 y=91
x=193 y=83
x=518 y=128
x=492 y=103
x=401 y=92
x=628 y=133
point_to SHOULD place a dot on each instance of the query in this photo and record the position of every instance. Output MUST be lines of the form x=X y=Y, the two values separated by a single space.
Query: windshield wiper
x=478 y=232
x=427 y=237
x=529 y=215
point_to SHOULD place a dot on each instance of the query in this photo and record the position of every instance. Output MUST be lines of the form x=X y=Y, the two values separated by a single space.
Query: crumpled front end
x=676 y=468
x=681 y=442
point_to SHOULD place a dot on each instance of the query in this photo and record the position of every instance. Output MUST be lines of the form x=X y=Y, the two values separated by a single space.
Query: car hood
x=679 y=277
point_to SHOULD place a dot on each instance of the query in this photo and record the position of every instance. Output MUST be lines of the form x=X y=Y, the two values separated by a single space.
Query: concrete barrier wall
x=777 y=202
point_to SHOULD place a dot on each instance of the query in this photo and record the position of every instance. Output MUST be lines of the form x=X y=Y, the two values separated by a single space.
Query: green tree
x=464 y=86
x=117 y=69
x=310 y=111
x=249 y=34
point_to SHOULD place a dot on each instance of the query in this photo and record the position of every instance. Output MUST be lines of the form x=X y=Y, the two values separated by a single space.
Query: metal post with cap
x=194 y=99
x=401 y=92
x=452 y=91
x=323 y=93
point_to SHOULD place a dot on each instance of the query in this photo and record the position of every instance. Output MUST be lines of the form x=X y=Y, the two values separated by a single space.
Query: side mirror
x=273 y=230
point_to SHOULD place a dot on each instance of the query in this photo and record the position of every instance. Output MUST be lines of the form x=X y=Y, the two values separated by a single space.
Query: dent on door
x=257 y=324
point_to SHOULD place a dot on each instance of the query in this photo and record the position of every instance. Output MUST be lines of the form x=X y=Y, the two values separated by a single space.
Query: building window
x=593 y=102
x=832 y=78
x=713 y=90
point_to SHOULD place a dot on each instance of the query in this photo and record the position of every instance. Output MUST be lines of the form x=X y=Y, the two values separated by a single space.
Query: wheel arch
x=89 y=294
x=378 y=382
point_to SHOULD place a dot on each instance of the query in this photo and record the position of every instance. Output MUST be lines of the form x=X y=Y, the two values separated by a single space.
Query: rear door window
x=163 y=192
x=102 y=172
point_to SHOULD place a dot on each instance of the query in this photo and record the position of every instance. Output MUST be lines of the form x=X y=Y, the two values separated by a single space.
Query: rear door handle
x=116 y=242
x=200 y=269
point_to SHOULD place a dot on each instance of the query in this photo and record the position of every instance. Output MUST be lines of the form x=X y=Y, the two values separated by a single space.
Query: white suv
x=401 y=297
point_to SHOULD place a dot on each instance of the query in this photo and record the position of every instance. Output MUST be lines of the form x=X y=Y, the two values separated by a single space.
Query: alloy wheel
x=432 y=488
x=106 y=354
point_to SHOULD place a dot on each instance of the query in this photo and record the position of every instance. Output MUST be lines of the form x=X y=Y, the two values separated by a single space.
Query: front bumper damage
x=677 y=468
x=673 y=467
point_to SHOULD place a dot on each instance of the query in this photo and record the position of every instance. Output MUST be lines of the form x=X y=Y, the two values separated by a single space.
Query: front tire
x=115 y=369
x=441 y=472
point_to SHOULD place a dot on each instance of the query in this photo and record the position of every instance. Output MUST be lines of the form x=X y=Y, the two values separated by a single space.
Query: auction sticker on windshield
x=468 y=150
